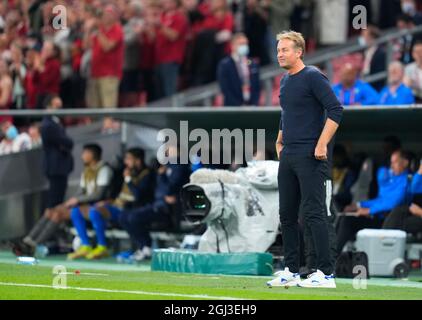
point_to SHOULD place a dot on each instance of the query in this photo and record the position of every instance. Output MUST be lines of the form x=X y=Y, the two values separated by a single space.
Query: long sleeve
x=323 y=92
x=223 y=78
x=390 y=198
x=142 y=187
x=53 y=135
x=416 y=186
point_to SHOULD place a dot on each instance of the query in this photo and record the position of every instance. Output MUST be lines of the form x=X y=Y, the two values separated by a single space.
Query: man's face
x=131 y=162
x=218 y=4
x=189 y=4
x=56 y=103
x=395 y=74
x=398 y=164
x=108 y=17
x=5 y=126
x=348 y=75
x=366 y=34
x=240 y=41
x=287 y=54
x=417 y=53
x=172 y=151
x=87 y=157
x=152 y=15
x=168 y=5
x=34 y=132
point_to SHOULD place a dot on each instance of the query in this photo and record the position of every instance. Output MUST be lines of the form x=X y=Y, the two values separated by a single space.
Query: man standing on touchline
x=311 y=114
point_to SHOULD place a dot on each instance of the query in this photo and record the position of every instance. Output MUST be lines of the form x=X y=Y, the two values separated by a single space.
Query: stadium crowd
x=127 y=53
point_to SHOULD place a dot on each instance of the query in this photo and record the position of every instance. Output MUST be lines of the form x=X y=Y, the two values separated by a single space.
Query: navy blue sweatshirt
x=306 y=100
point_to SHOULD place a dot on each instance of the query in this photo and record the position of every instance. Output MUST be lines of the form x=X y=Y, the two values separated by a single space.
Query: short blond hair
x=294 y=36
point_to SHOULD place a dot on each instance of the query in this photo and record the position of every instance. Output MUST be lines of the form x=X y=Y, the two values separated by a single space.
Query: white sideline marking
x=85 y=274
x=147 y=293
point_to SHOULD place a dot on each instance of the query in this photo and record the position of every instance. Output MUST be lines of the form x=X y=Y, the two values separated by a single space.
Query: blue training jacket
x=392 y=192
x=361 y=93
x=403 y=95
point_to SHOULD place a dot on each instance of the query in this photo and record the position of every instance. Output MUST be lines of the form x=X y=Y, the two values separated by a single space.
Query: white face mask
x=362 y=41
x=243 y=50
x=408 y=7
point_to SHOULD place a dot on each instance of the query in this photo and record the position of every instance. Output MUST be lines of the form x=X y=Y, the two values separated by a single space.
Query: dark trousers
x=310 y=253
x=137 y=222
x=401 y=218
x=56 y=191
x=349 y=226
x=302 y=183
x=167 y=75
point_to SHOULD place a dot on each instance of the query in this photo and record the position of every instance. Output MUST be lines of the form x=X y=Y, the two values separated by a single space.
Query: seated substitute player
x=393 y=187
x=137 y=190
x=169 y=181
x=95 y=180
x=409 y=217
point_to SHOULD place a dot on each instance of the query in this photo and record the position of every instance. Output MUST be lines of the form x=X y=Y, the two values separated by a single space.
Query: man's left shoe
x=98 y=253
x=20 y=248
x=141 y=255
x=318 y=280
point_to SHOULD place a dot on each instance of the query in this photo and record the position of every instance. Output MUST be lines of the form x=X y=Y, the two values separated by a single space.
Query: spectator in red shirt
x=212 y=41
x=47 y=72
x=5 y=90
x=107 y=61
x=170 y=46
x=147 y=59
x=31 y=88
x=218 y=17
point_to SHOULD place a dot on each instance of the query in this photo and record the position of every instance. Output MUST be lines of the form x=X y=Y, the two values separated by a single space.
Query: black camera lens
x=195 y=203
x=197 y=200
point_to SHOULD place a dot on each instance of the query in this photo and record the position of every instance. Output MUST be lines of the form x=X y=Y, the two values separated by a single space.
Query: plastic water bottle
x=41 y=251
x=27 y=260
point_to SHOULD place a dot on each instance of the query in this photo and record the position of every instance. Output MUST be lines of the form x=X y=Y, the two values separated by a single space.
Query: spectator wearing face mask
x=409 y=7
x=13 y=141
x=404 y=45
x=238 y=76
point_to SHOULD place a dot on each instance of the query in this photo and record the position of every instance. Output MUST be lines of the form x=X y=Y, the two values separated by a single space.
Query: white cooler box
x=385 y=250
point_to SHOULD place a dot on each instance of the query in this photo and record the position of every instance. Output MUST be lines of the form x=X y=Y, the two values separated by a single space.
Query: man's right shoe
x=285 y=278
x=141 y=255
x=82 y=252
x=20 y=248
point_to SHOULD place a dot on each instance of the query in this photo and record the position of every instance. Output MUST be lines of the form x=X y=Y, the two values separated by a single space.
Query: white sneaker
x=285 y=278
x=147 y=252
x=318 y=280
x=141 y=255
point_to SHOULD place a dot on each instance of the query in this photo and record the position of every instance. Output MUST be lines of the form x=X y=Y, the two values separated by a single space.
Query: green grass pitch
x=108 y=280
